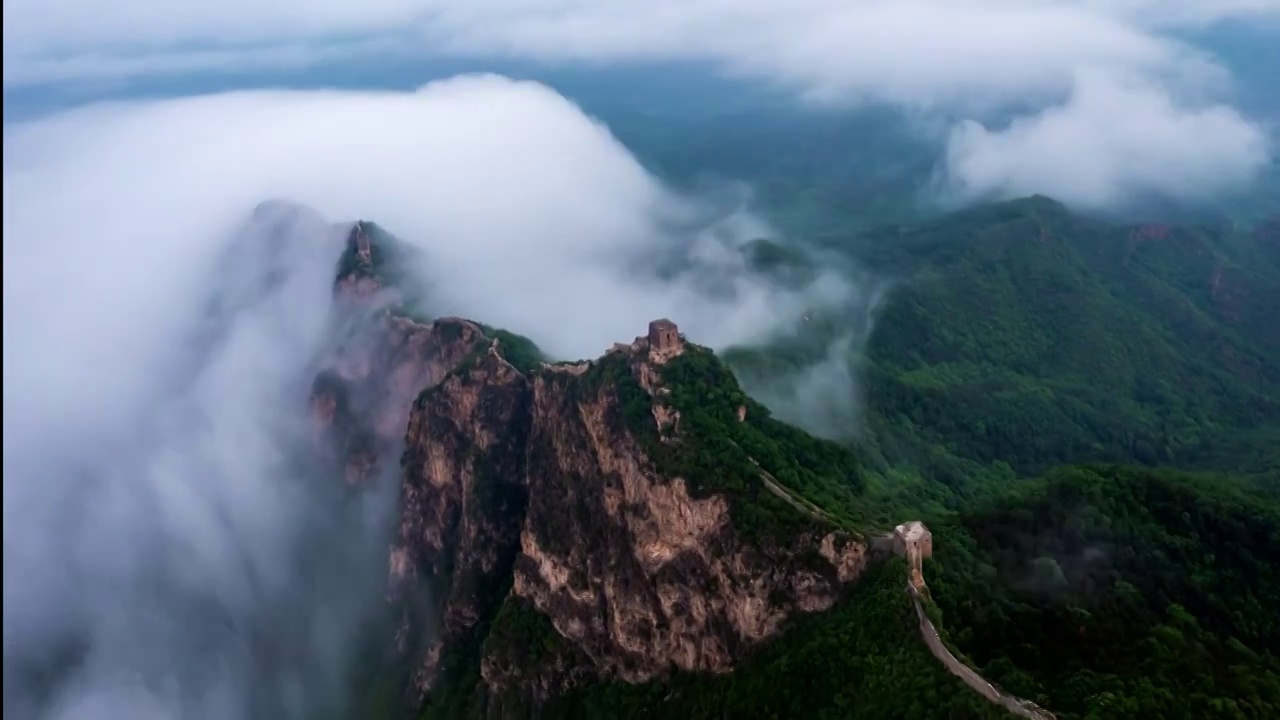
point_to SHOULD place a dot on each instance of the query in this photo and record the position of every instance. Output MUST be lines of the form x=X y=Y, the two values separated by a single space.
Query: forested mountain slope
x=1016 y=341
x=1027 y=335
x=1112 y=592
x=1021 y=340
x=1020 y=336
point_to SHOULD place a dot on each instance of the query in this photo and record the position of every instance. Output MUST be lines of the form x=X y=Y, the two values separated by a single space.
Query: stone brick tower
x=913 y=541
x=664 y=340
x=663 y=335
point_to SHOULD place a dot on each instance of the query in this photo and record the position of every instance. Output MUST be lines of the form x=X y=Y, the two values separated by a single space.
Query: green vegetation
x=390 y=259
x=1035 y=338
x=396 y=265
x=1109 y=592
x=518 y=350
x=1020 y=337
x=716 y=453
x=521 y=626
x=1021 y=341
x=862 y=659
x=1023 y=338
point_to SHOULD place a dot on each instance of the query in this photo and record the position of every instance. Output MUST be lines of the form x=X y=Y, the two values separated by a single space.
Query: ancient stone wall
x=664 y=340
x=913 y=541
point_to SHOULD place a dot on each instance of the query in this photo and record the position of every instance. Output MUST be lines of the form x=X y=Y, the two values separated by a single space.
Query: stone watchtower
x=664 y=340
x=913 y=541
x=359 y=239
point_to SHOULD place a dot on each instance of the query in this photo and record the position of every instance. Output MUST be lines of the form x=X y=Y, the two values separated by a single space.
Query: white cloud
x=1110 y=142
x=962 y=58
x=923 y=52
x=910 y=50
x=145 y=509
x=512 y=185
x=1189 y=13
x=66 y=26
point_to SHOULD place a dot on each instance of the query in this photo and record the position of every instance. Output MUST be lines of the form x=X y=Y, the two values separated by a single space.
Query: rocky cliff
x=614 y=519
x=556 y=505
x=380 y=360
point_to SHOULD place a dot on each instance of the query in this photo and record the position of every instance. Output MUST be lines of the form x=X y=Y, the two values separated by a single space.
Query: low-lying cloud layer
x=1112 y=141
x=158 y=351
x=983 y=61
x=533 y=211
x=917 y=50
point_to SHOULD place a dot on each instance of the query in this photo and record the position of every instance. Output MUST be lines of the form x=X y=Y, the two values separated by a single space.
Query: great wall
x=913 y=541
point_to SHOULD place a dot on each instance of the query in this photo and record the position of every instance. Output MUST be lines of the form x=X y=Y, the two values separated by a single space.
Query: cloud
x=1189 y=13
x=918 y=51
x=157 y=353
x=507 y=188
x=1111 y=142
x=151 y=519
x=980 y=61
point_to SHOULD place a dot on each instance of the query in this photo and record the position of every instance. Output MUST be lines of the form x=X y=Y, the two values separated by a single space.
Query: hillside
x=1020 y=336
x=1155 y=590
x=570 y=531
x=612 y=537
x=1022 y=339
x=1029 y=336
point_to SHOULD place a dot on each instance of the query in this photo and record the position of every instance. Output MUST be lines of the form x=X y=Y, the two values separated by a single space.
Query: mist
x=1112 y=142
x=160 y=530
x=1024 y=83
x=170 y=550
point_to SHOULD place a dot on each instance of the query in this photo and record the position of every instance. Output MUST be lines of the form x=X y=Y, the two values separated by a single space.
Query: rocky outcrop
x=378 y=364
x=532 y=495
x=360 y=402
x=462 y=499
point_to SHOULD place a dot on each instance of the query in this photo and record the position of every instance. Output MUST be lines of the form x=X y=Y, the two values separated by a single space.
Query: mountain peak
x=606 y=503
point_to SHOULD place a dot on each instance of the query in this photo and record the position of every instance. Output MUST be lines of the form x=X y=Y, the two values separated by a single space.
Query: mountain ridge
x=523 y=617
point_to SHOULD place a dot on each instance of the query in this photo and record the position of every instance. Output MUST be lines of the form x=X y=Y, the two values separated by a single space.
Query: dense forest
x=1035 y=338
x=1019 y=336
x=1023 y=341
x=1019 y=345
x=1113 y=592
x=1026 y=340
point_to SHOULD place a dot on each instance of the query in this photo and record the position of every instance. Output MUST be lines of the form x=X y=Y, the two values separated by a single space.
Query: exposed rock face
x=360 y=403
x=361 y=398
x=531 y=514
x=536 y=483
x=461 y=502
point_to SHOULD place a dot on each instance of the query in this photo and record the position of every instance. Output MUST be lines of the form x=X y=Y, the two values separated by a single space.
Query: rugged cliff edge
x=559 y=501
x=613 y=519
x=381 y=357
